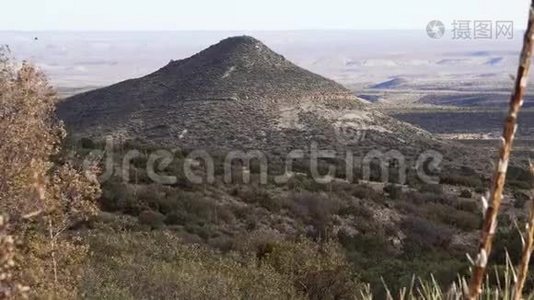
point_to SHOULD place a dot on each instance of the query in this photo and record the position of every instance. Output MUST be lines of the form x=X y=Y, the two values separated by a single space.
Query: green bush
x=316 y=210
x=119 y=197
x=461 y=180
x=426 y=235
x=520 y=199
x=519 y=178
x=423 y=198
x=363 y=191
x=394 y=191
x=468 y=205
x=176 y=218
x=151 y=218
x=87 y=143
x=480 y=190
x=123 y=267
x=320 y=271
x=431 y=189
x=523 y=185
x=466 y=194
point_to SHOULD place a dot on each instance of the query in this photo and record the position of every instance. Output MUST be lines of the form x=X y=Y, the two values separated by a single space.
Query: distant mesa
x=453 y=61
x=390 y=84
x=494 y=61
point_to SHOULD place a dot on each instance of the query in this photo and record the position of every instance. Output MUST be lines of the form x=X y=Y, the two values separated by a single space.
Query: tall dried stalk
x=496 y=195
x=528 y=246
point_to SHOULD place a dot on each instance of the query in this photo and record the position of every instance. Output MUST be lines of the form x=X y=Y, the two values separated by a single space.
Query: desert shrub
x=329 y=284
x=273 y=204
x=468 y=205
x=464 y=176
x=152 y=218
x=261 y=197
x=372 y=243
x=366 y=192
x=523 y=185
x=357 y=210
x=320 y=271
x=140 y=145
x=519 y=178
x=149 y=196
x=87 y=143
x=315 y=210
x=222 y=243
x=258 y=242
x=35 y=182
x=448 y=215
x=200 y=210
x=431 y=189
x=481 y=189
x=507 y=242
x=176 y=218
x=426 y=235
x=140 y=162
x=167 y=205
x=204 y=231
x=423 y=198
x=123 y=267
x=394 y=191
x=408 y=208
x=118 y=197
x=252 y=194
x=306 y=183
x=461 y=178
x=225 y=214
x=460 y=214
x=375 y=259
x=466 y=194
x=242 y=211
x=520 y=199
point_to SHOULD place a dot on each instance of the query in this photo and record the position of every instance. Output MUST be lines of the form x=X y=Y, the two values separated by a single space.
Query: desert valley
x=284 y=165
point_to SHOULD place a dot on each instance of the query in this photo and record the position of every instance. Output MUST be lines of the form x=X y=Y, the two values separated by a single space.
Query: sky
x=156 y=15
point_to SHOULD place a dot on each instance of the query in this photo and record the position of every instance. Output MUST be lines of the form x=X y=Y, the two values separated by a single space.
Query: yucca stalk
x=499 y=178
x=528 y=246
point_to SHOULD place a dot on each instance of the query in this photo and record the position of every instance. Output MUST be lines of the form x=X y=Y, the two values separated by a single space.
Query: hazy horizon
x=252 y=15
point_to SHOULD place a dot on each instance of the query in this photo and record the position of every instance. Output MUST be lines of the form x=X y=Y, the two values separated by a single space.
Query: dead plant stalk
x=497 y=186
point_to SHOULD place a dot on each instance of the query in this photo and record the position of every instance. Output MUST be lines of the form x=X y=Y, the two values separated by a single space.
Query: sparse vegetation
x=364 y=237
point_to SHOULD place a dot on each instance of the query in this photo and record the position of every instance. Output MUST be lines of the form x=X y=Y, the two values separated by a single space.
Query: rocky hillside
x=239 y=94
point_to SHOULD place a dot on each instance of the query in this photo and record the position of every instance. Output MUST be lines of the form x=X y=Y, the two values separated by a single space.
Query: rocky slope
x=239 y=94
